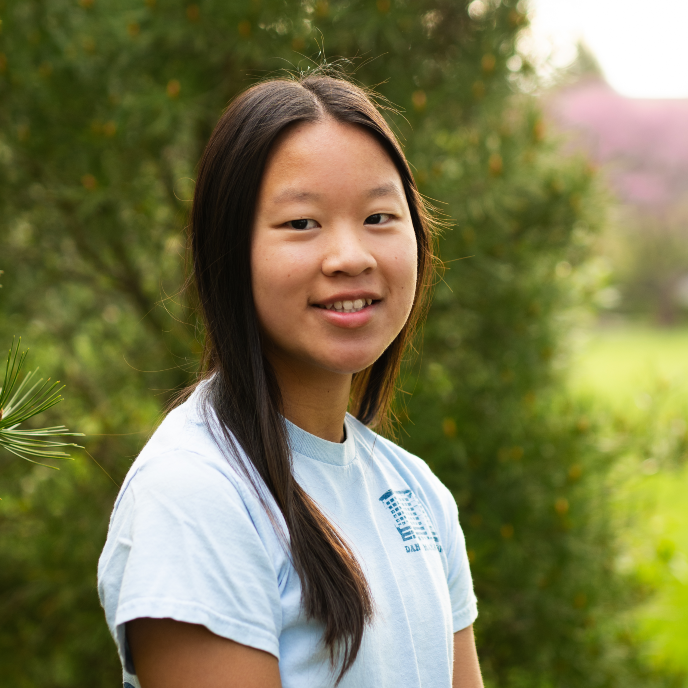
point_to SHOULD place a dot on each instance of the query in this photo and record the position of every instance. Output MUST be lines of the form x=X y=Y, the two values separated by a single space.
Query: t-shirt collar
x=338 y=453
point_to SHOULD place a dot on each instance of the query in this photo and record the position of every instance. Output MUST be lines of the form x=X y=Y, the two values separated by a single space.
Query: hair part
x=242 y=402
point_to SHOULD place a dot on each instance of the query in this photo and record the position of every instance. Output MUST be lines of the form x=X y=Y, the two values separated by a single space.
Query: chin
x=350 y=365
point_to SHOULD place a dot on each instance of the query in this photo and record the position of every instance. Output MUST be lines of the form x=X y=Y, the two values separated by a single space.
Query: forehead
x=328 y=157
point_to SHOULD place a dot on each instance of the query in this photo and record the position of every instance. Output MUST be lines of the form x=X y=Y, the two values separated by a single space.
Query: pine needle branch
x=24 y=400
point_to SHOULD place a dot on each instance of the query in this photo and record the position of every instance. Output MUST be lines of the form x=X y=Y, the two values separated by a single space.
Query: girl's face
x=334 y=253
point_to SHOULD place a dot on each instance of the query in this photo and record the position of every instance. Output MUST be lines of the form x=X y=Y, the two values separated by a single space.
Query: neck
x=313 y=399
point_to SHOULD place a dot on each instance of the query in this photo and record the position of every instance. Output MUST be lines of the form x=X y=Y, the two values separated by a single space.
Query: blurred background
x=550 y=390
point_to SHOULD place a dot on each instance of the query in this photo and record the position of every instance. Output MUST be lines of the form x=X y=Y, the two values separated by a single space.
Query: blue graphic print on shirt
x=411 y=518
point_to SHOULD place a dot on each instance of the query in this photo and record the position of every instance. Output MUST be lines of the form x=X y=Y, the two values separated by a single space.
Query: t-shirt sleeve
x=463 y=600
x=183 y=545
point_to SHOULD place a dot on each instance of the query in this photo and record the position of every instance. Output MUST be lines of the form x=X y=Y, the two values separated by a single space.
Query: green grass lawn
x=622 y=365
x=640 y=376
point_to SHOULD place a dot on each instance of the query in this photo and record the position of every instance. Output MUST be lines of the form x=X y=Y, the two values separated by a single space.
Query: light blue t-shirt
x=189 y=540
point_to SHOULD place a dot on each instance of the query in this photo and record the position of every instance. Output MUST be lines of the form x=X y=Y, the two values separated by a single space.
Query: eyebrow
x=290 y=195
x=296 y=195
x=389 y=189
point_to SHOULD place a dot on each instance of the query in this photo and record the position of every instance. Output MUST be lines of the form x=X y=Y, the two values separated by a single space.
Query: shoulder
x=383 y=448
x=186 y=463
x=411 y=467
x=184 y=490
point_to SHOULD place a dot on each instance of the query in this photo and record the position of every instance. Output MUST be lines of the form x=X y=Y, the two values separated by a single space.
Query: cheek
x=402 y=268
x=266 y=281
x=279 y=265
x=276 y=276
x=261 y=275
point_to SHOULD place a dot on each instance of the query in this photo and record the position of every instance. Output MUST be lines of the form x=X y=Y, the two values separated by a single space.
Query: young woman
x=265 y=537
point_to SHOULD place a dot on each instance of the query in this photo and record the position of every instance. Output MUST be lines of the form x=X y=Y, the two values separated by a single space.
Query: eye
x=377 y=219
x=302 y=224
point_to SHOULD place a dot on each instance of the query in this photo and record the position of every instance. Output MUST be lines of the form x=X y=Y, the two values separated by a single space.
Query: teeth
x=348 y=306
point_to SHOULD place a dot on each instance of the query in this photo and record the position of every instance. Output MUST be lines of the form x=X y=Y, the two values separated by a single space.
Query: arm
x=466 y=667
x=171 y=654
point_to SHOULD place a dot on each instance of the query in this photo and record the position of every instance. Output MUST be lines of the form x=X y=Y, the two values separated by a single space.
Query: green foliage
x=19 y=403
x=657 y=547
x=52 y=526
x=487 y=414
x=106 y=108
x=649 y=251
x=646 y=406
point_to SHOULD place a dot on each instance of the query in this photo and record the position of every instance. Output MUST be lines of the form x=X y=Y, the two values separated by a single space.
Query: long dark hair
x=242 y=399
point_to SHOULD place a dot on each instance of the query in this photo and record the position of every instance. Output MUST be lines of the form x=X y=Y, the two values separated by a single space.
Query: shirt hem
x=189 y=612
x=465 y=617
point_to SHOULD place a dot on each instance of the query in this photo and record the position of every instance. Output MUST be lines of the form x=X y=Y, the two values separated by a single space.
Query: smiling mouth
x=346 y=306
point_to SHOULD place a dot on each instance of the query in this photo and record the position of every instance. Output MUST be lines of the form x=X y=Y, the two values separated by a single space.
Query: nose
x=347 y=253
